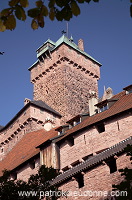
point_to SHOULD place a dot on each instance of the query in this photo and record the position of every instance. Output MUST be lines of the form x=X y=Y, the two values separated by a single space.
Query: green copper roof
x=48 y=41
x=51 y=46
x=69 y=42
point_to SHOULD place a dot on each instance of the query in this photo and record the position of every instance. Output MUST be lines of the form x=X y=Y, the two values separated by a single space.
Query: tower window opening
x=103 y=108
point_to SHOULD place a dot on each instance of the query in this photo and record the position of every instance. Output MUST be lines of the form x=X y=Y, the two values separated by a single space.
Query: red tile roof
x=26 y=148
x=123 y=103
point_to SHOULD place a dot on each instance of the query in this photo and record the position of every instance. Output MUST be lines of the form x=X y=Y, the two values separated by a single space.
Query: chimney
x=92 y=101
x=26 y=101
x=80 y=44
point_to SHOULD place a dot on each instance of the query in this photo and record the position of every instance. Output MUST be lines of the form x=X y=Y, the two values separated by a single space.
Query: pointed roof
x=63 y=39
x=39 y=104
x=66 y=40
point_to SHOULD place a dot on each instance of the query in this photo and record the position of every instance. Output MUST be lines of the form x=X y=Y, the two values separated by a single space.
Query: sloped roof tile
x=39 y=104
x=124 y=103
x=25 y=149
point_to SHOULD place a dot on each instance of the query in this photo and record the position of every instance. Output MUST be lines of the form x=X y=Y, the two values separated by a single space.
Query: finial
x=67 y=28
x=71 y=38
x=63 y=32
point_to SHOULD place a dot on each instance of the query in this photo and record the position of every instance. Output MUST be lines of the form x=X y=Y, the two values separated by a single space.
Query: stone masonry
x=97 y=182
x=29 y=120
x=89 y=142
x=64 y=80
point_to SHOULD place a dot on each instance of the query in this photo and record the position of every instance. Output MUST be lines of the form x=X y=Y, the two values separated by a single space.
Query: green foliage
x=10 y=189
x=126 y=184
x=10 y=23
x=75 y=8
x=56 y=9
x=20 y=13
x=2 y=26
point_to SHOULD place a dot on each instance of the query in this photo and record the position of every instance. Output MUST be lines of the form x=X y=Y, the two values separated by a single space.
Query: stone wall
x=91 y=141
x=64 y=81
x=29 y=120
x=28 y=169
x=97 y=181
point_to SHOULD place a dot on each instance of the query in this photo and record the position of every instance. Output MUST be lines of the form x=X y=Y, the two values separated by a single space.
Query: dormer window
x=106 y=104
x=103 y=108
x=62 y=129
x=128 y=89
x=74 y=121
x=44 y=50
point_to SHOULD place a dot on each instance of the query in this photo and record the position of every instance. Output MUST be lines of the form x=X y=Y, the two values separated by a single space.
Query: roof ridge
x=44 y=105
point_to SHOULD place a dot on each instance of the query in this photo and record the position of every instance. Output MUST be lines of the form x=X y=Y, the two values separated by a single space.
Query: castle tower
x=63 y=75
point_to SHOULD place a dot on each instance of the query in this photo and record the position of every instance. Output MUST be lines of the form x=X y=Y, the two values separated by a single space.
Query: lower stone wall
x=26 y=171
x=90 y=141
x=97 y=182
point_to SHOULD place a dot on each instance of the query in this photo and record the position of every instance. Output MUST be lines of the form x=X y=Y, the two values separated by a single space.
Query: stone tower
x=63 y=75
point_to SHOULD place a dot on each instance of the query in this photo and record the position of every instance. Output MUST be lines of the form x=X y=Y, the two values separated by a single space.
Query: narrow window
x=80 y=180
x=103 y=108
x=32 y=164
x=14 y=175
x=70 y=141
x=2 y=150
x=101 y=127
x=112 y=165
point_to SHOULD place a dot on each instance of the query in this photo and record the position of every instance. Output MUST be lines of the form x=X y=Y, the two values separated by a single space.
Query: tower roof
x=51 y=46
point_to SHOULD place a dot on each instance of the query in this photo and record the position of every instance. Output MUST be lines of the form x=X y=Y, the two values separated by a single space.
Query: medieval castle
x=66 y=125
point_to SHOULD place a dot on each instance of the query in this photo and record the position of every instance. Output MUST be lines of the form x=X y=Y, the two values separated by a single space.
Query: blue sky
x=106 y=29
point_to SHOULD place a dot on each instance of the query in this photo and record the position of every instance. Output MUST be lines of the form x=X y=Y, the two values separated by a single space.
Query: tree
x=35 y=188
x=55 y=9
